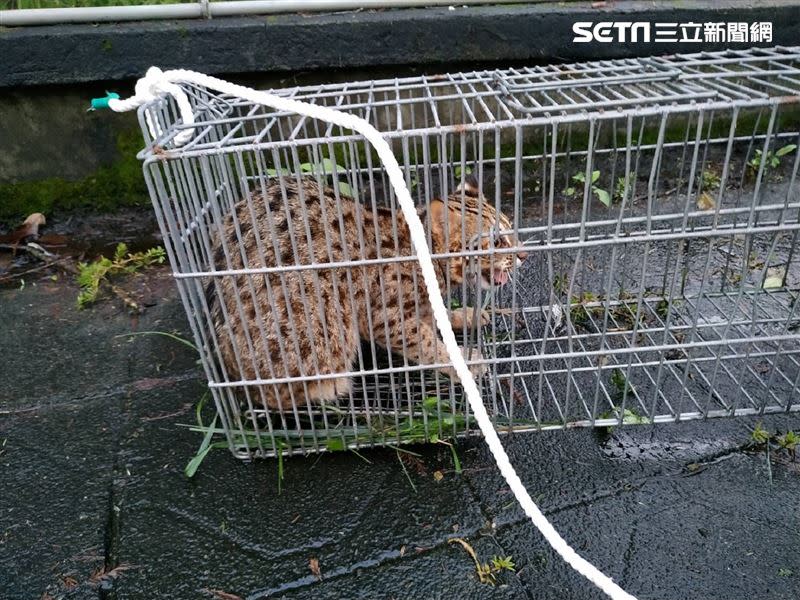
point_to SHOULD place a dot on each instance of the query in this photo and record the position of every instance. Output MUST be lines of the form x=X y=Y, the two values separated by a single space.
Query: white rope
x=157 y=82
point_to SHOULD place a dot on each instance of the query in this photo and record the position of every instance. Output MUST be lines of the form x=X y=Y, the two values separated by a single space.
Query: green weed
x=771 y=160
x=622 y=183
x=487 y=572
x=709 y=180
x=601 y=194
x=788 y=442
x=759 y=435
x=459 y=171
x=92 y=275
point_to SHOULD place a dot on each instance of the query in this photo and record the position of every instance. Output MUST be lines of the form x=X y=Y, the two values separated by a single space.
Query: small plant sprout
x=503 y=563
x=788 y=442
x=487 y=572
x=560 y=283
x=709 y=180
x=771 y=160
x=662 y=309
x=92 y=275
x=459 y=171
x=601 y=194
x=760 y=435
x=622 y=183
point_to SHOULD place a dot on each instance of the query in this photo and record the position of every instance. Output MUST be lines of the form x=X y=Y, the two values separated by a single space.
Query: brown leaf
x=220 y=595
x=313 y=564
x=413 y=462
x=706 y=202
x=69 y=582
x=101 y=574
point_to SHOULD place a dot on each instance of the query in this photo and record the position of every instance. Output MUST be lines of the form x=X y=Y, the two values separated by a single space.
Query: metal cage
x=656 y=199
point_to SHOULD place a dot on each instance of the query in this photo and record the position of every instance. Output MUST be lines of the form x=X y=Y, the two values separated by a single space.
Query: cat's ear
x=469 y=187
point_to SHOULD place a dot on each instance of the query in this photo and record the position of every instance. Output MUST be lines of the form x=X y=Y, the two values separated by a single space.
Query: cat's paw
x=467 y=317
x=477 y=370
x=471 y=355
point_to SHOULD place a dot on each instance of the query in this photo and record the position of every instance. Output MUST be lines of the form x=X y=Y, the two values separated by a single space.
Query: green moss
x=118 y=184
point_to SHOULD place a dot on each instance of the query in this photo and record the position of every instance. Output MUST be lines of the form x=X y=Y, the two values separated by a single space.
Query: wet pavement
x=94 y=502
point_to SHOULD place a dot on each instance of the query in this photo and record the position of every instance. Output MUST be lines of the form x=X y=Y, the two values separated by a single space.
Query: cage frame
x=695 y=85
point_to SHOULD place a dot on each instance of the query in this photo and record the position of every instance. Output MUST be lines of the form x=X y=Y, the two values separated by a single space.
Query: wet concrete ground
x=94 y=502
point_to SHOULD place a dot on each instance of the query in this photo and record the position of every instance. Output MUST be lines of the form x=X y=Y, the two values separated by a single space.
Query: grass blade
x=177 y=338
x=204 y=449
x=402 y=464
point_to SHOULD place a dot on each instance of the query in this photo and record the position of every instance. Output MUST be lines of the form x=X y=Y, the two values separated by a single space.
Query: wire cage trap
x=616 y=241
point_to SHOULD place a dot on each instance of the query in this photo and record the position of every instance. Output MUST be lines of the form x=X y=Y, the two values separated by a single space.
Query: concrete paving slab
x=54 y=353
x=56 y=473
x=344 y=512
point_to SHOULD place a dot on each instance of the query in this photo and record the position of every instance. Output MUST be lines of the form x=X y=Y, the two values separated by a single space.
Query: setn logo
x=690 y=32
x=611 y=31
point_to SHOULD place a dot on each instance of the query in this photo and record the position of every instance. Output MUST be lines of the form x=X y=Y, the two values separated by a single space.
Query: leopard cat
x=308 y=322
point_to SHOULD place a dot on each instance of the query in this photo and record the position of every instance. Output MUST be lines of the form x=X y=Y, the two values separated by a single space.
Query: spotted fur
x=309 y=322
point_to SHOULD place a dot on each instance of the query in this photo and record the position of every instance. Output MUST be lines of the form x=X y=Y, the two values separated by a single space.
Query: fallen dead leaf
x=220 y=595
x=101 y=574
x=28 y=230
x=706 y=202
x=774 y=278
x=413 y=462
x=313 y=564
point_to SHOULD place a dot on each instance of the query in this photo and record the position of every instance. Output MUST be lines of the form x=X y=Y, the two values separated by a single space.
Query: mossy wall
x=56 y=156
x=119 y=183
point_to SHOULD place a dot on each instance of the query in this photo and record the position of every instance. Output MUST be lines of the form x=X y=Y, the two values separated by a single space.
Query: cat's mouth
x=496 y=277
x=500 y=276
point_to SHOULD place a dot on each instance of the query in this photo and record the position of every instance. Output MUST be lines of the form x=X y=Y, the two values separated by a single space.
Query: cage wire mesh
x=656 y=200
